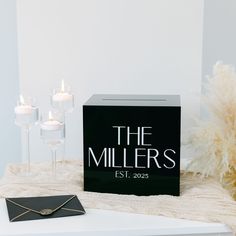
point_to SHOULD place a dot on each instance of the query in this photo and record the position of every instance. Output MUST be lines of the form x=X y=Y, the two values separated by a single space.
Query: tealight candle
x=62 y=95
x=26 y=114
x=51 y=123
x=23 y=108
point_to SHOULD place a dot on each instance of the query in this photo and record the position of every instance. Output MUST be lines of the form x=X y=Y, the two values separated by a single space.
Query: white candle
x=51 y=123
x=62 y=96
x=22 y=108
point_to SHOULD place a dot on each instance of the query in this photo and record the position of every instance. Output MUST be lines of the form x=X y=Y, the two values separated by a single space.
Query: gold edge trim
x=63 y=204
x=16 y=217
x=21 y=206
x=69 y=209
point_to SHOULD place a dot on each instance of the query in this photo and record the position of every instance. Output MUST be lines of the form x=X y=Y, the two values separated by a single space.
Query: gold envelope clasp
x=46 y=212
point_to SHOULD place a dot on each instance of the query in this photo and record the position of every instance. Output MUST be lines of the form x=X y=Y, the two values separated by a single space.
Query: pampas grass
x=214 y=139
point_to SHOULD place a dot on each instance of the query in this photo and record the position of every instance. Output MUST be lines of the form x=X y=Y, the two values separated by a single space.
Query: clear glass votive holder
x=52 y=132
x=26 y=116
x=62 y=100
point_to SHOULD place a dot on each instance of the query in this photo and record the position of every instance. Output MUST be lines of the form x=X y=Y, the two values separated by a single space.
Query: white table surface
x=104 y=223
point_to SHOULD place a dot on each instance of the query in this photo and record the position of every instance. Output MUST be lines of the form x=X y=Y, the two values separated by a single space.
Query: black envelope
x=36 y=208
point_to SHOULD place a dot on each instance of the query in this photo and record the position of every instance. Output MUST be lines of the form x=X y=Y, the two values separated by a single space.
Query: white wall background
x=9 y=133
x=219 y=39
x=119 y=46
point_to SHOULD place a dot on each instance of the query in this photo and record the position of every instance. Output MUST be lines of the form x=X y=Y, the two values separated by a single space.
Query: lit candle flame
x=62 y=86
x=50 y=117
x=22 y=100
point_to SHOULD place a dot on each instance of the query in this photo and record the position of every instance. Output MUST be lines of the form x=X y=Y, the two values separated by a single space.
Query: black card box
x=132 y=144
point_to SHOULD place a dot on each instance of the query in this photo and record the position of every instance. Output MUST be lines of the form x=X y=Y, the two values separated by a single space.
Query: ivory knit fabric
x=203 y=200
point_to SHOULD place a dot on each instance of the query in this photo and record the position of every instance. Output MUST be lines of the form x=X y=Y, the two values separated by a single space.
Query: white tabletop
x=104 y=223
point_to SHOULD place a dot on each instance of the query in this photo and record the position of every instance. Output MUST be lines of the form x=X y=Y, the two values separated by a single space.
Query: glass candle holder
x=62 y=101
x=52 y=132
x=26 y=116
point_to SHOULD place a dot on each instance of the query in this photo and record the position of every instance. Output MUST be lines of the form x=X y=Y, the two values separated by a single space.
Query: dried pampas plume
x=214 y=139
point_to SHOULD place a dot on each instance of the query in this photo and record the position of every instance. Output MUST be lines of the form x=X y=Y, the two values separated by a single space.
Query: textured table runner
x=203 y=200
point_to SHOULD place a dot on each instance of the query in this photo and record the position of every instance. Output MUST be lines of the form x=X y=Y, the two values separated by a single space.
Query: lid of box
x=133 y=100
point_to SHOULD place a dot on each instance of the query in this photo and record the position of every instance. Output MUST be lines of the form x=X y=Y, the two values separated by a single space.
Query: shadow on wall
x=10 y=150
